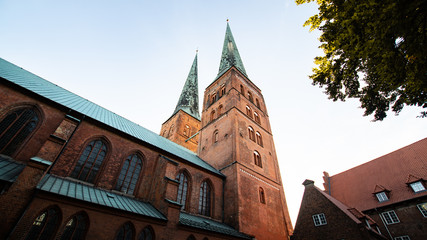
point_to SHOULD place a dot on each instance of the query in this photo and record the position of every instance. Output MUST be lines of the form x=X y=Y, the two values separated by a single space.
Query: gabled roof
x=50 y=91
x=230 y=55
x=209 y=225
x=10 y=169
x=390 y=173
x=76 y=190
x=189 y=99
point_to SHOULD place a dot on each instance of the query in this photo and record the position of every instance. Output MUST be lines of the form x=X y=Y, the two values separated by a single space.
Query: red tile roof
x=355 y=187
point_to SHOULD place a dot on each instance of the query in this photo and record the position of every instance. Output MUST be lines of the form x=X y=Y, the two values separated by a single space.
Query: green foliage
x=374 y=50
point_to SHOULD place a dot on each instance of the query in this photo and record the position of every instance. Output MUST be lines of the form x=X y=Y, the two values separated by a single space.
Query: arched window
x=251 y=133
x=257 y=119
x=242 y=90
x=258 y=138
x=205 y=199
x=15 y=128
x=219 y=110
x=261 y=195
x=213 y=98
x=191 y=237
x=250 y=97
x=182 y=189
x=90 y=161
x=76 y=227
x=187 y=130
x=257 y=103
x=171 y=130
x=146 y=234
x=257 y=159
x=212 y=115
x=249 y=111
x=125 y=232
x=45 y=225
x=129 y=174
x=216 y=136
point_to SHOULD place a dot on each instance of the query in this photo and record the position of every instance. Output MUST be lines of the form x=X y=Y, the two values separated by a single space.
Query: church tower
x=184 y=124
x=236 y=138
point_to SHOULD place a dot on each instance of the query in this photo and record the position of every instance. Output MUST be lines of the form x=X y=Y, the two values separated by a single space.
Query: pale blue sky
x=132 y=57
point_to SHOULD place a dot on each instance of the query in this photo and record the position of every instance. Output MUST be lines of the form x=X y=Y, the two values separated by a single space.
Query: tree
x=374 y=50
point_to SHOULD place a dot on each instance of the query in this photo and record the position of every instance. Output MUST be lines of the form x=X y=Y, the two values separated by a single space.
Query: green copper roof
x=55 y=93
x=230 y=55
x=210 y=225
x=76 y=190
x=189 y=99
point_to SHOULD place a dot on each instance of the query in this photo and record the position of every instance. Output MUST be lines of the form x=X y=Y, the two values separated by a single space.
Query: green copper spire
x=189 y=99
x=230 y=55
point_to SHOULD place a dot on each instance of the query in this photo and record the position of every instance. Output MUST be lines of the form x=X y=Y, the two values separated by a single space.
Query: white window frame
x=319 y=219
x=390 y=217
x=422 y=209
x=406 y=237
x=381 y=196
x=417 y=186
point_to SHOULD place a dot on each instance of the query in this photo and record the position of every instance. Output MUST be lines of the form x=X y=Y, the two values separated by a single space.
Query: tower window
x=250 y=97
x=251 y=133
x=220 y=110
x=261 y=195
x=249 y=111
x=212 y=115
x=15 y=129
x=182 y=189
x=215 y=136
x=90 y=161
x=213 y=98
x=258 y=139
x=257 y=159
x=257 y=119
x=242 y=90
x=187 y=130
x=129 y=174
x=45 y=225
x=205 y=199
x=222 y=91
x=257 y=103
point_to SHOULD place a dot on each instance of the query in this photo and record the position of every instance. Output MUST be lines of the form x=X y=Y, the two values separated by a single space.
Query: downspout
x=385 y=225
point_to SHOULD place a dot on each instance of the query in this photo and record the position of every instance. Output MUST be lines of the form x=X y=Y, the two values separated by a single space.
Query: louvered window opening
x=15 y=128
x=44 y=226
x=129 y=174
x=90 y=161
x=182 y=189
x=205 y=199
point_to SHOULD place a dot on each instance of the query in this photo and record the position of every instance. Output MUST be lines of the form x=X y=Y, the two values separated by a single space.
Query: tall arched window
x=261 y=195
x=186 y=130
x=125 y=232
x=212 y=115
x=250 y=97
x=182 y=189
x=249 y=111
x=146 y=234
x=257 y=159
x=76 y=227
x=216 y=136
x=258 y=138
x=251 y=133
x=90 y=161
x=45 y=225
x=242 y=90
x=219 y=110
x=15 y=128
x=129 y=174
x=222 y=91
x=257 y=119
x=205 y=199
x=257 y=103
x=191 y=237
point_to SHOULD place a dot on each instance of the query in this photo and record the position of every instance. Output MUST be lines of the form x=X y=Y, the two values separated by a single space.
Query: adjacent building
x=71 y=169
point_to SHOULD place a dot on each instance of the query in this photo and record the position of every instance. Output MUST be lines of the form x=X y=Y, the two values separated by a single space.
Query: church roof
x=189 y=99
x=83 y=192
x=230 y=55
x=356 y=187
x=55 y=93
x=9 y=169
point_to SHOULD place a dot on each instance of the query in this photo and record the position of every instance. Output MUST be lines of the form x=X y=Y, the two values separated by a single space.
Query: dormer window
x=417 y=186
x=381 y=196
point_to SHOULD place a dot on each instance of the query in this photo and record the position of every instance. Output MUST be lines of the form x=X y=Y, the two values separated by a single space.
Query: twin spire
x=189 y=99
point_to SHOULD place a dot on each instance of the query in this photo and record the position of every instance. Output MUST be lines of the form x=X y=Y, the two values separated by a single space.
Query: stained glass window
x=90 y=161
x=129 y=174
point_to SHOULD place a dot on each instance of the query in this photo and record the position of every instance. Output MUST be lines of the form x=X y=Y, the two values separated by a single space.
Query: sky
x=133 y=57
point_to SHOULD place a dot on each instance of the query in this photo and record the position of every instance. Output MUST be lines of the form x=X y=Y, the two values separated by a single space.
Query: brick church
x=71 y=169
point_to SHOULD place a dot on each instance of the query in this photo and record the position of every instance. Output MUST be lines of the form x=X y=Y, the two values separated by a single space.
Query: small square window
x=390 y=217
x=381 y=196
x=423 y=209
x=406 y=237
x=417 y=186
x=319 y=219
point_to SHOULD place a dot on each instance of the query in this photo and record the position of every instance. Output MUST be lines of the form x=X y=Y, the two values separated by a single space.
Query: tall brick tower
x=236 y=138
x=183 y=126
